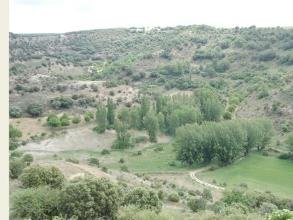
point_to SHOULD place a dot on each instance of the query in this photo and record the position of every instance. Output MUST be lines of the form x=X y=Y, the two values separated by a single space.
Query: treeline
x=223 y=141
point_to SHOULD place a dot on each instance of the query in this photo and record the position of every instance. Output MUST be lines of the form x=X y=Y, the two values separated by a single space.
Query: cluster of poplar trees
x=223 y=141
x=160 y=113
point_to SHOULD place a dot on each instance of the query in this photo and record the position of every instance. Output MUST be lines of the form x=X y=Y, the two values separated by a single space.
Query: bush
x=65 y=120
x=15 y=112
x=207 y=194
x=35 y=203
x=267 y=208
x=266 y=55
x=53 y=121
x=143 y=199
x=94 y=161
x=221 y=66
x=27 y=159
x=227 y=115
x=16 y=167
x=72 y=160
x=14 y=132
x=35 y=109
x=36 y=176
x=197 y=204
x=281 y=215
x=88 y=116
x=15 y=154
x=105 y=151
x=124 y=168
x=121 y=160
x=76 y=120
x=173 y=197
x=90 y=199
x=61 y=102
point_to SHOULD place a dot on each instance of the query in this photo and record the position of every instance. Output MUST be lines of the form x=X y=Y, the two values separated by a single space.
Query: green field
x=154 y=158
x=259 y=173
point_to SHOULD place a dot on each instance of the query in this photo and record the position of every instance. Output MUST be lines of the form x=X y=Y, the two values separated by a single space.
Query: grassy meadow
x=259 y=173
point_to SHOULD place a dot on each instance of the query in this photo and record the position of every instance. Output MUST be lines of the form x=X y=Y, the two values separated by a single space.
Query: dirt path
x=192 y=175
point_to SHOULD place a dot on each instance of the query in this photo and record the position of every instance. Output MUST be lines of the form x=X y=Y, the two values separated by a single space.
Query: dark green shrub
x=197 y=204
x=61 y=102
x=16 y=167
x=94 y=161
x=143 y=199
x=35 y=109
x=72 y=160
x=227 y=115
x=124 y=168
x=15 y=112
x=105 y=151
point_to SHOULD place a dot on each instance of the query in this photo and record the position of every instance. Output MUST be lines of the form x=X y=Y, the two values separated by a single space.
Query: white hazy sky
x=48 y=16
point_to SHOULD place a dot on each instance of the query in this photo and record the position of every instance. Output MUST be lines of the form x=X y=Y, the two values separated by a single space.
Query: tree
x=36 y=176
x=143 y=199
x=90 y=199
x=110 y=112
x=35 y=109
x=144 y=108
x=101 y=118
x=210 y=107
x=134 y=115
x=152 y=125
x=123 y=139
x=35 y=203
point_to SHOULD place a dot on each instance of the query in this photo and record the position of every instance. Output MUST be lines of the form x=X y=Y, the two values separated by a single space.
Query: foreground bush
x=281 y=215
x=36 y=176
x=35 y=203
x=90 y=199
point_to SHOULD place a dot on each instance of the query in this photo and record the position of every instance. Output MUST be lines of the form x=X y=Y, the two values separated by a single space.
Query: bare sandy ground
x=75 y=139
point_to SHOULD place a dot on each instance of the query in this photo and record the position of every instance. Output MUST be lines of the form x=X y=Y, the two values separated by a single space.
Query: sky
x=58 y=16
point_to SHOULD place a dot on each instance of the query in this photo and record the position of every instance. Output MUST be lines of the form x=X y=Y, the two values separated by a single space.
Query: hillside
x=153 y=108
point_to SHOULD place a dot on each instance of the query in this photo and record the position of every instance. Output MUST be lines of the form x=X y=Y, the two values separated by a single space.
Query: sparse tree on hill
x=101 y=118
x=110 y=112
x=152 y=125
